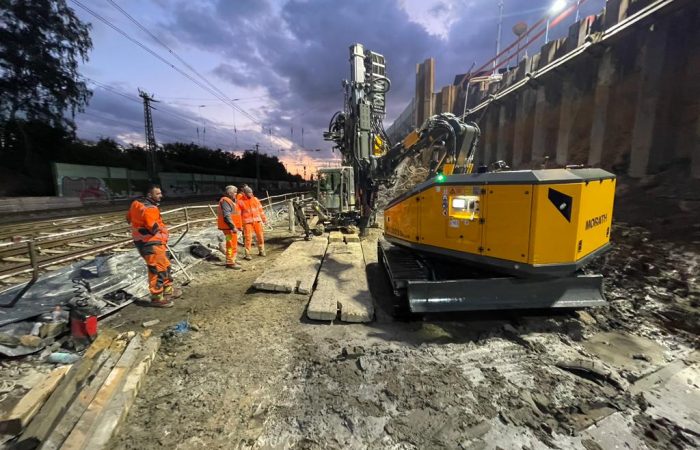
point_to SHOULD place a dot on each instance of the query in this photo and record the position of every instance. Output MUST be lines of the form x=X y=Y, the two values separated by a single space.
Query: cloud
x=110 y=114
x=302 y=51
x=439 y=9
x=297 y=51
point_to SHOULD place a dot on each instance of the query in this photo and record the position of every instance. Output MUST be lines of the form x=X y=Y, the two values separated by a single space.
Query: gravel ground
x=257 y=374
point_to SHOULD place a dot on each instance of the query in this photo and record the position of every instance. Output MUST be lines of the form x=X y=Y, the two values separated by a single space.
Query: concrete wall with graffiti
x=91 y=183
x=96 y=183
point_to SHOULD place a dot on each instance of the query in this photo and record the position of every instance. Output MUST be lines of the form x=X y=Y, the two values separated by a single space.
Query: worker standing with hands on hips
x=253 y=220
x=151 y=238
x=229 y=221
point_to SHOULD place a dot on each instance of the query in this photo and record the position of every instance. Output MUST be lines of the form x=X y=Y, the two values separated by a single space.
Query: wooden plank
x=90 y=419
x=30 y=404
x=115 y=413
x=60 y=400
x=105 y=363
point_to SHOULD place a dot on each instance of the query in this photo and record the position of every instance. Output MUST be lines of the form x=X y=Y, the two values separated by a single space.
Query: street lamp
x=555 y=9
x=498 y=37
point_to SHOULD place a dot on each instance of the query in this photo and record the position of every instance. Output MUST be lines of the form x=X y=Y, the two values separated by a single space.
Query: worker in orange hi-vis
x=253 y=220
x=229 y=221
x=151 y=238
x=240 y=196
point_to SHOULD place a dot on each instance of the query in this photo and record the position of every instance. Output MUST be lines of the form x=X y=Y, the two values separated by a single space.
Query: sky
x=281 y=62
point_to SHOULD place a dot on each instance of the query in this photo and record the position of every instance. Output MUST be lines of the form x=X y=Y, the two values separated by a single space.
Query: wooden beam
x=90 y=420
x=116 y=412
x=105 y=363
x=29 y=405
x=60 y=400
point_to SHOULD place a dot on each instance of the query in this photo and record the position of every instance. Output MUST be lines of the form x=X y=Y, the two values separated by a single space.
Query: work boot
x=234 y=266
x=159 y=301
x=247 y=256
x=262 y=252
x=171 y=293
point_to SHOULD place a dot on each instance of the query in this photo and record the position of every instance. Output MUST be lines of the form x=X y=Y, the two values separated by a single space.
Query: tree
x=41 y=45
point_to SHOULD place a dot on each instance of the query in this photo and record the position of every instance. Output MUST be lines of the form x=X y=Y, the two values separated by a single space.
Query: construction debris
x=80 y=406
x=150 y=323
x=30 y=404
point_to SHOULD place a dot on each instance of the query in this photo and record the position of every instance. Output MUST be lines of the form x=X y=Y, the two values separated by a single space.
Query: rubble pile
x=650 y=281
x=557 y=379
x=409 y=174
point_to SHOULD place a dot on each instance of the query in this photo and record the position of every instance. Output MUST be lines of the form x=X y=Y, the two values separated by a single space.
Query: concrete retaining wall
x=626 y=99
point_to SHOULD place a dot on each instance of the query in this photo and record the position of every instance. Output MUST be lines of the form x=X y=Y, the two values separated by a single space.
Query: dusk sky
x=283 y=60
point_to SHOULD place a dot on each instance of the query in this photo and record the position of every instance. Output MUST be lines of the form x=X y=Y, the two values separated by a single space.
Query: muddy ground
x=258 y=374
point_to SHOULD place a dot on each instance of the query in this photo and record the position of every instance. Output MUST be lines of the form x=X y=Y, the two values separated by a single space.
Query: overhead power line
x=129 y=97
x=209 y=87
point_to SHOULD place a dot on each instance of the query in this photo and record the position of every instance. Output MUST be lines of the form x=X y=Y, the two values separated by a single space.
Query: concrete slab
x=335 y=236
x=295 y=269
x=615 y=431
x=353 y=237
x=678 y=399
x=342 y=285
x=370 y=252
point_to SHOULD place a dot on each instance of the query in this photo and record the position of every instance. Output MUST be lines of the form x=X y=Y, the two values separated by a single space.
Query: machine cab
x=335 y=189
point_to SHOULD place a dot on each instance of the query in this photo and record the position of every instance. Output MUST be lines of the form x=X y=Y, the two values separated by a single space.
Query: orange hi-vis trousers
x=159 y=276
x=231 y=246
x=257 y=228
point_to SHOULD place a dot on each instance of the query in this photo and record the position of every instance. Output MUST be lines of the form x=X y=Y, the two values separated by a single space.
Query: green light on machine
x=440 y=178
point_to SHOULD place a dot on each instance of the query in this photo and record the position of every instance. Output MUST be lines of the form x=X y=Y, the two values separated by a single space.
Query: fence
x=193 y=215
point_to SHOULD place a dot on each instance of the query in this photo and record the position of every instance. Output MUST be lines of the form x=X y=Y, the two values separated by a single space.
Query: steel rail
x=36 y=263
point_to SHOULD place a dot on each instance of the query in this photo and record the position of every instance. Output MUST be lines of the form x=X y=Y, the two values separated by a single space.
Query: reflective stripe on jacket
x=228 y=210
x=146 y=222
x=252 y=210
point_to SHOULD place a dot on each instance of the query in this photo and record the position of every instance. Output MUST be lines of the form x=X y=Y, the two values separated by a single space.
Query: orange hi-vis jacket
x=228 y=207
x=252 y=210
x=147 y=225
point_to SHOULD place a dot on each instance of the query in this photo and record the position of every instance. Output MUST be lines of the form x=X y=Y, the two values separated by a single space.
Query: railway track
x=72 y=239
x=34 y=248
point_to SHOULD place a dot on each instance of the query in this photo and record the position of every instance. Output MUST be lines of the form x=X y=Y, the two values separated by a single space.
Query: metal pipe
x=187 y=222
x=290 y=209
x=177 y=261
x=36 y=265
x=74 y=256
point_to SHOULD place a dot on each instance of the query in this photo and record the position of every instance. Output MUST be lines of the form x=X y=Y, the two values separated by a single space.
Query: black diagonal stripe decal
x=562 y=202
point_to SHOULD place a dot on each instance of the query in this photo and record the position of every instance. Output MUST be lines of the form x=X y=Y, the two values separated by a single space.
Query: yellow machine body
x=547 y=222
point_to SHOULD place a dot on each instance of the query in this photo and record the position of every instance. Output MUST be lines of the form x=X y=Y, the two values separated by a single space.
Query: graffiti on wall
x=86 y=188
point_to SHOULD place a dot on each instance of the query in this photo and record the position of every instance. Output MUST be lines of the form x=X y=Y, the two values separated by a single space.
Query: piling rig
x=461 y=240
